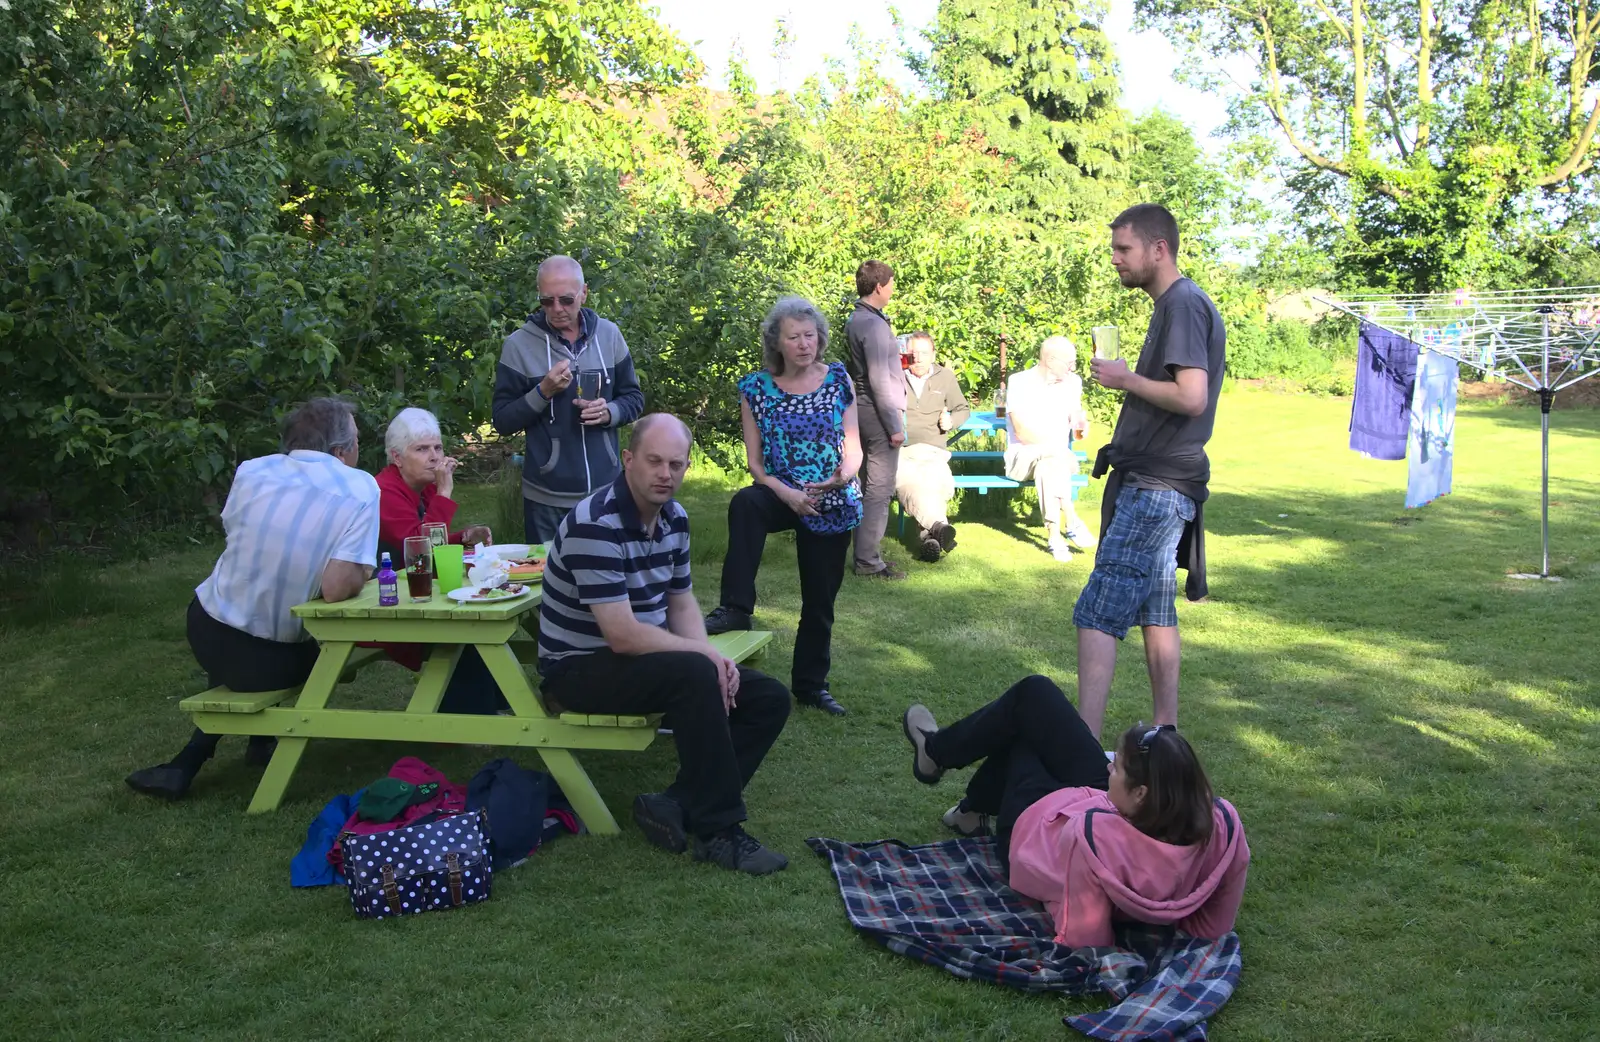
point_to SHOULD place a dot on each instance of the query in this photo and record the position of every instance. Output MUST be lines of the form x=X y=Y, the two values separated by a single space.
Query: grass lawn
x=1411 y=738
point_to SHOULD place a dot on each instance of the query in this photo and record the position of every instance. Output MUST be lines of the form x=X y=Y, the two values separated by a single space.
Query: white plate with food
x=487 y=594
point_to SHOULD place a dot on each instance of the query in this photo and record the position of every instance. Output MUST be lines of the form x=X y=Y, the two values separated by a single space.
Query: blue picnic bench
x=988 y=423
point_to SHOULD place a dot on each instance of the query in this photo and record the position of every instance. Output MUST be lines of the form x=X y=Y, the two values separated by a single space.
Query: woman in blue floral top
x=800 y=436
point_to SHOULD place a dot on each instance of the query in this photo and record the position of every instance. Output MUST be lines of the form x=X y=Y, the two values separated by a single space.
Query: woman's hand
x=798 y=500
x=836 y=480
x=444 y=477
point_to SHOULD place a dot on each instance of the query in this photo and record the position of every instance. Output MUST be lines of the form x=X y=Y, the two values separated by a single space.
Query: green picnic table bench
x=497 y=629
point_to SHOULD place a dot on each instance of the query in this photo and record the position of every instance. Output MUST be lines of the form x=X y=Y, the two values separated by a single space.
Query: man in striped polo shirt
x=300 y=524
x=620 y=632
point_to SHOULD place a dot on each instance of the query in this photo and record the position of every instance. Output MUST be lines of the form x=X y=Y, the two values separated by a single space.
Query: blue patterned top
x=802 y=439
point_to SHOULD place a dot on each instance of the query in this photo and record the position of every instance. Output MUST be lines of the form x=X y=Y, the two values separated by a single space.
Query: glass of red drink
x=419 y=567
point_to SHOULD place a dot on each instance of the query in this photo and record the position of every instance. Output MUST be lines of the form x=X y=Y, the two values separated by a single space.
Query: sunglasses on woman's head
x=566 y=299
x=1148 y=739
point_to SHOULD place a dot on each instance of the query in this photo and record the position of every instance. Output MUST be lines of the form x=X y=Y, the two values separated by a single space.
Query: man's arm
x=517 y=403
x=684 y=618
x=342 y=580
x=887 y=379
x=355 y=554
x=1187 y=393
x=626 y=635
x=954 y=400
x=627 y=400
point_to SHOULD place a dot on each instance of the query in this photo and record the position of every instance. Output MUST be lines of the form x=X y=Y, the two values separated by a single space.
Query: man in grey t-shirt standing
x=1159 y=468
x=873 y=361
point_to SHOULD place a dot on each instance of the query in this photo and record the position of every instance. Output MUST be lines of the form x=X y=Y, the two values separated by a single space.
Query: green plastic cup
x=452 y=570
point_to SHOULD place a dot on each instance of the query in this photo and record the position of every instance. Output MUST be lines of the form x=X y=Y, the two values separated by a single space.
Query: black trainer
x=724 y=619
x=660 y=818
x=167 y=781
x=919 y=726
x=735 y=849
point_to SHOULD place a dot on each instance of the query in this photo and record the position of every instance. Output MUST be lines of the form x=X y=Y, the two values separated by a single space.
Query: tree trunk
x=1424 y=72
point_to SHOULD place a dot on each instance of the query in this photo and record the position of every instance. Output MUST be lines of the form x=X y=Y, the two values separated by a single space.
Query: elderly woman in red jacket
x=413 y=490
x=416 y=485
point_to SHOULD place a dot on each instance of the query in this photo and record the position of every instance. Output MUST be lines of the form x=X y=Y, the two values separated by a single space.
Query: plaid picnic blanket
x=947 y=905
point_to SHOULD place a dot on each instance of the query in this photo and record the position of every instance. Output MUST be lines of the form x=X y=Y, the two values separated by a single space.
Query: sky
x=821 y=29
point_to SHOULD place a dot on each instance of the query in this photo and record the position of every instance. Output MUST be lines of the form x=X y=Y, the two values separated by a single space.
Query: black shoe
x=168 y=781
x=946 y=534
x=930 y=551
x=888 y=571
x=735 y=849
x=660 y=818
x=823 y=701
x=724 y=619
x=919 y=726
x=259 y=752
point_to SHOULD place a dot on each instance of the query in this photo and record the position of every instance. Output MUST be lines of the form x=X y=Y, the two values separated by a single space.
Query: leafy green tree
x=1427 y=133
x=1040 y=80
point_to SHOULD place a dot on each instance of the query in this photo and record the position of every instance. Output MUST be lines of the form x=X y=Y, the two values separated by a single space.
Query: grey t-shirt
x=1185 y=332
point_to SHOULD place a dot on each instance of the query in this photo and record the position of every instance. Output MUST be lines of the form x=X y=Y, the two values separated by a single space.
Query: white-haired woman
x=413 y=490
x=804 y=450
x=417 y=484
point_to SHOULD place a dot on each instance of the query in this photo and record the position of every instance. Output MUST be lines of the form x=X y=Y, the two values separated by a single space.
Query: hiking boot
x=945 y=532
x=724 y=619
x=966 y=822
x=735 y=849
x=660 y=818
x=930 y=551
x=888 y=571
x=919 y=726
x=168 y=781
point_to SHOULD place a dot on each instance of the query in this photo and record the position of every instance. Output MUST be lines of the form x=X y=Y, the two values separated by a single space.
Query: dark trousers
x=1032 y=742
x=718 y=750
x=472 y=688
x=242 y=662
x=753 y=513
x=540 y=521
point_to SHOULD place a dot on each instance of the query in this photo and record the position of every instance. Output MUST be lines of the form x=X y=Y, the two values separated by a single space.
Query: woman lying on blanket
x=1142 y=838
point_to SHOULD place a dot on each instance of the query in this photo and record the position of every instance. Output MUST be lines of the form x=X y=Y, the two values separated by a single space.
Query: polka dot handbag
x=425 y=867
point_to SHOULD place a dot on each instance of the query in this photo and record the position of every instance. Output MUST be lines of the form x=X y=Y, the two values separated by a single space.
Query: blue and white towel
x=1430 y=445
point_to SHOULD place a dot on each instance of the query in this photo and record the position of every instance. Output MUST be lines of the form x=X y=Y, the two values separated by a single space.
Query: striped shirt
x=286 y=517
x=602 y=554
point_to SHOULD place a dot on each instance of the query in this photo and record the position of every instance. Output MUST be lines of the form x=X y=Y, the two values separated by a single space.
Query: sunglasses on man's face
x=1148 y=739
x=566 y=300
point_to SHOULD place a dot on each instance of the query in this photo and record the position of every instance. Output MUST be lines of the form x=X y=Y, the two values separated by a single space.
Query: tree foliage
x=1433 y=137
x=211 y=211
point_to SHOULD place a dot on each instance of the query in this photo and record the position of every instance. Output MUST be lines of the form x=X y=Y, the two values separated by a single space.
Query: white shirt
x=286 y=517
x=918 y=383
x=1051 y=408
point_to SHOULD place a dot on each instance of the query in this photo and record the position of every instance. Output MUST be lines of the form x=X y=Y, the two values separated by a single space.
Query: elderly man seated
x=1045 y=411
x=620 y=632
x=935 y=406
x=314 y=517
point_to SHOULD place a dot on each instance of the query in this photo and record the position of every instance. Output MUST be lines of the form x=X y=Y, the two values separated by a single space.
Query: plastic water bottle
x=388 y=584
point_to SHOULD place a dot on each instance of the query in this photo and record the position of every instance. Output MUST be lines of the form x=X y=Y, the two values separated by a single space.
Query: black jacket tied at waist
x=1192 y=544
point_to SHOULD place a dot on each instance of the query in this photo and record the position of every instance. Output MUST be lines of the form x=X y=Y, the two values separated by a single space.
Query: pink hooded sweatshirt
x=1074 y=852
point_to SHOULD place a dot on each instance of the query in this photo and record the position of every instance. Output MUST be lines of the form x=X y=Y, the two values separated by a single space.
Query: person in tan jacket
x=935 y=407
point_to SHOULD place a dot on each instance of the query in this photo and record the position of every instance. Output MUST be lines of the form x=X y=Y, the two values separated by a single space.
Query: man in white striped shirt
x=299 y=523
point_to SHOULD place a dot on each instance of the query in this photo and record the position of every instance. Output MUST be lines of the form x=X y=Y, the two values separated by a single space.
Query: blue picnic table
x=989 y=423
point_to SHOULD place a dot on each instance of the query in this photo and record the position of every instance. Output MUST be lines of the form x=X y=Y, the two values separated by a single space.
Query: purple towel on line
x=1380 y=414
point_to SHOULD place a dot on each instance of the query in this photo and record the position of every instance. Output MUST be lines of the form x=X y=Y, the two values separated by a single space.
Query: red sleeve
x=397 y=509
x=1218 y=915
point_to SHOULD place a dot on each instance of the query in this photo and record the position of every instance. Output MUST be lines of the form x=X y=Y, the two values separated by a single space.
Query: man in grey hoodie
x=566 y=378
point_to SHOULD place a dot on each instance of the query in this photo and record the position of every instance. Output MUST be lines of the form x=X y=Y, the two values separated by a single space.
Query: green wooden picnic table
x=499 y=632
